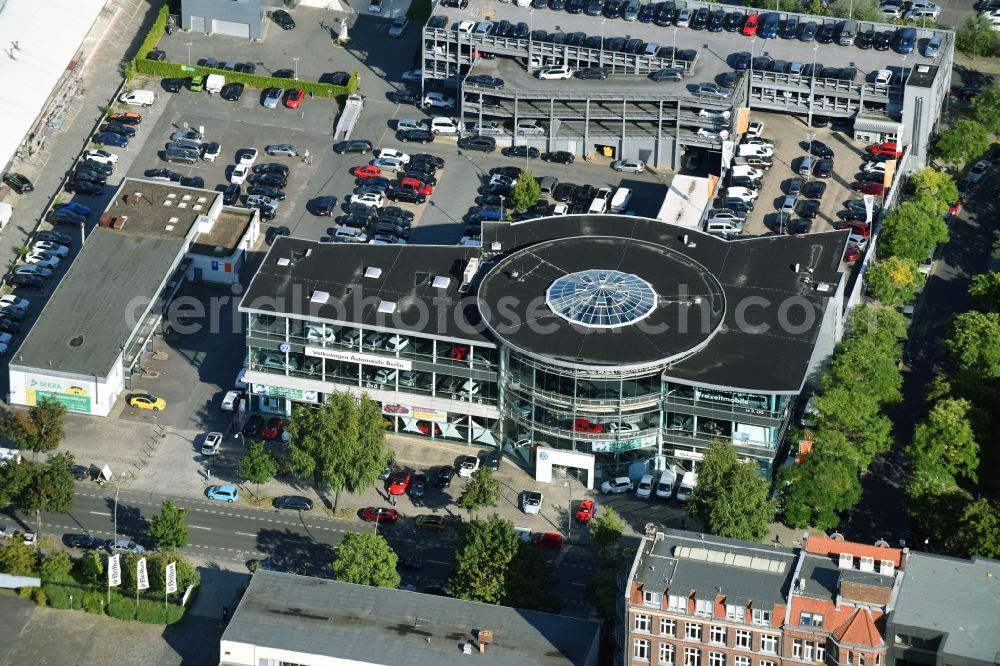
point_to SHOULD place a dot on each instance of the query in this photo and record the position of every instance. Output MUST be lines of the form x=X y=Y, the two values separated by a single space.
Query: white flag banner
x=171 y=577
x=869 y=200
x=141 y=577
x=114 y=571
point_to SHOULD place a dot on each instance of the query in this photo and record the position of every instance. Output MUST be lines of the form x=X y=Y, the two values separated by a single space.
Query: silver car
x=272 y=96
x=285 y=149
x=629 y=166
x=712 y=90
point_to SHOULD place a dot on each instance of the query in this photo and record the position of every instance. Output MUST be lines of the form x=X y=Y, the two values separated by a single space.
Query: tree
x=56 y=566
x=340 y=444
x=529 y=581
x=937 y=184
x=933 y=502
x=169 y=527
x=910 y=231
x=14 y=477
x=894 y=281
x=816 y=491
x=945 y=444
x=51 y=488
x=484 y=554
x=985 y=291
x=962 y=141
x=156 y=565
x=977 y=530
x=975 y=342
x=976 y=38
x=606 y=528
x=526 y=191
x=482 y=490
x=18 y=559
x=39 y=430
x=258 y=466
x=731 y=497
x=91 y=567
x=366 y=559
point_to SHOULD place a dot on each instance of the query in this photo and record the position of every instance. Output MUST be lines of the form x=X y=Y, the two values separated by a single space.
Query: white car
x=858 y=241
x=369 y=199
x=874 y=167
x=708 y=134
x=482 y=28
x=468 y=465
x=645 y=488
x=744 y=193
x=413 y=75
x=410 y=124
x=240 y=173
x=979 y=170
x=50 y=247
x=622 y=484
x=883 y=77
x=560 y=209
x=629 y=166
x=504 y=181
x=465 y=27
x=556 y=72
x=444 y=125
x=210 y=446
x=487 y=128
x=241 y=380
x=683 y=18
x=438 y=100
x=138 y=98
x=754 y=129
x=14 y=303
x=891 y=11
x=388 y=164
x=623 y=427
x=102 y=156
x=42 y=259
x=211 y=151
x=229 y=401
x=531 y=502
x=392 y=152
x=715 y=114
x=398 y=26
x=247 y=156
x=33 y=269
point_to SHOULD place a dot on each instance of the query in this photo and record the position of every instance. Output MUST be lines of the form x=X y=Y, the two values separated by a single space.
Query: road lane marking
x=245 y=534
x=98 y=513
x=199 y=527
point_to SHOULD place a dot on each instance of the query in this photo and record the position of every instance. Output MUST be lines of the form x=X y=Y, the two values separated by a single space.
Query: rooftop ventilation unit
x=846 y=561
x=373 y=272
x=470 y=271
x=867 y=564
x=387 y=307
x=495 y=246
x=441 y=282
x=283 y=261
x=886 y=567
x=319 y=297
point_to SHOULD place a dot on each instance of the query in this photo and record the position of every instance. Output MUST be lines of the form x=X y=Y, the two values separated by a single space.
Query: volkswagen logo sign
x=284 y=348
x=542 y=455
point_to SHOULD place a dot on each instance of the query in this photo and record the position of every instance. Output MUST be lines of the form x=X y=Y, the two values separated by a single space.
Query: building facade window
x=651 y=598
x=668 y=626
x=667 y=654
x=767 y=663
x=741 y=660
x=692 y=631
x=716 y=659
x=762 y=617
x=736 y=613
x=641 y=623
x=861 y=659
x=744 y=639
x=703 y=607
x=641 y=649
x=797 y=649
x=820 y=652
x=807 y=650
x=811 y=620
x=850 y=658
x=769 y=643
x=677 y=603
x=692 y=656
x=717 y=634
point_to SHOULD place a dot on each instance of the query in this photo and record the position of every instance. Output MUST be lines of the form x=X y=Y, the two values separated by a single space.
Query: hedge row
x=177 y=70
x=154 y=34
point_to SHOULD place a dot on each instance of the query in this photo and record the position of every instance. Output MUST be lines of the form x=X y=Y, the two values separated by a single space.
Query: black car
x=296 y=502
x=424 y=171
x=584 y=195
x=102 y=168
x=404 y=97
x=172 y=84
x=55 y=237
x=824 y=168
x=9 y=325
x=397 y=220
x=444 y=476
x=564 y=192
x=728 y=79
x=820 y=149
x=821 y=121
x=492 y=460
x=246 y=67
x=852 y=215
x=269 y=192
x=231 y=194
x=825 y=33
x=397 y=212
x=737 y=204
x=745 y=181
x=282 y=74
x=84 y=541
x=27 y=281
x=252 y=427
x=814 y=190
x=700 y=19
x=790 y=29
x=670 y=75
x=486 y=144
x=732 y=22
x=377 y=184
x=324 y=206
x=356 y=220
x=865 y=40
x=716 y=20
x=557 y=5
x=84 y=187
x=883 y=41
x=192 y=181
x=870 y=177
x=119 y=129
x=356 y=208
x=794 y=186
x=362 y=146
x=433 y=160
x=268 y=178
x=612 y=8
x=267 y=212
x=404 y=195
x=271 y=167
x=66 y=217
x=646 y=13
x=807 y=32
x=559 y=157
x=522 y=151
x=592 y=74
x=335 y=78
x=232 y=91
x=484 y=81
x=18 y=182
x=283 y=18
x=418 y=486
x=415 y=135
x=809 y=208
x=798 y=227
x=385 y=227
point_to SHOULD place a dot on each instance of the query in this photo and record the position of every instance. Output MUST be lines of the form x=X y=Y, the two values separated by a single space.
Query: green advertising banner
x=72 y=402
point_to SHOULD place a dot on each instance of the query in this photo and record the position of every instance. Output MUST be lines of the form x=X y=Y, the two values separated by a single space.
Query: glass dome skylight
x=601 y=298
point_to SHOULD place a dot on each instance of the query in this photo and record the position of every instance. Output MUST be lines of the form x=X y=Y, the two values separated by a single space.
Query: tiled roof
x=859 y=629
x=821 y=545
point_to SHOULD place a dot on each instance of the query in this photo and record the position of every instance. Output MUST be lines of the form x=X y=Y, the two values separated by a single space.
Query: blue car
x=769 y=26
x=223 y=493
x=111 y=139
x=77 y=208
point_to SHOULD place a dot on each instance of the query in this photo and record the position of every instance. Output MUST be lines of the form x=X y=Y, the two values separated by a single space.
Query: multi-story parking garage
x=626 y=339
x=629 y=115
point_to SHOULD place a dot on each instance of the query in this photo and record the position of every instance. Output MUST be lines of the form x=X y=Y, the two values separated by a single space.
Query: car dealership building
x=624 y=340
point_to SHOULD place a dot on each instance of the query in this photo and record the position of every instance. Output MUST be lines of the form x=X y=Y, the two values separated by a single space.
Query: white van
x=214 y=83
x=620 y=200
x=442 y=125
x=599 y=204
x=746 y=170
x=529 y=126
x=138 y=98
x=687 y=486
x=665 y=486
x=724 y=227
x=6 y=211
x=746 y=149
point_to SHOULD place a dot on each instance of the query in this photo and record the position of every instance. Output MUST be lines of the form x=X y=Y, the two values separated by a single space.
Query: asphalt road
x=301 y=542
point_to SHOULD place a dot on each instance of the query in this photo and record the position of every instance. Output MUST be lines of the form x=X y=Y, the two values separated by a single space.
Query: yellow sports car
x=147 y=401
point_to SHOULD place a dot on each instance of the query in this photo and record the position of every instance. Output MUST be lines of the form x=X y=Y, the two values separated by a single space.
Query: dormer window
x=811 y=620
x=736 y=613
x=652 y=598
x=703 y=607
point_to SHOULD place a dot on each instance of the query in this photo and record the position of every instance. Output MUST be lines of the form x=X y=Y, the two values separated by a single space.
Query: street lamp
x=673 y=50
x=189 y=53
x=812 y=85
x=569 y=514
x=117 y=490
x=753 y=47
x=296 y=60
x=531 y=30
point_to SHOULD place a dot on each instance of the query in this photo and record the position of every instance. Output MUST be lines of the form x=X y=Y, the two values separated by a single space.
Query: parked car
x=294 y=502
x=224 y=492
x=621 y=484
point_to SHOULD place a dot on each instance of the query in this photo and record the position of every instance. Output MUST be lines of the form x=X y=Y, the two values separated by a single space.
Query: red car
x=750 y=27
x=955 y=208
x=869 y=188
x=584 y=425
x=294 y=98
x=886 y=148
x=367 y=171
x=273 y=428
x=585 y=511
x=458 y=352
x=859 y=228
x=852 y=254
x=425 y=428
x=547 y=540
x=418 y=186
x=378 y=514
x=398 y=483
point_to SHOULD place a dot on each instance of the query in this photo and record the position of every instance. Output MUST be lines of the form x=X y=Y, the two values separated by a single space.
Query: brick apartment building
x=701 y=600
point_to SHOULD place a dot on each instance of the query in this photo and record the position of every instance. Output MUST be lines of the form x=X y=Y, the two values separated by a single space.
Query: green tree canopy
x=945 y=444
x=818 y=490
x=910 y=231
x=366 y=559
x=986 y=108
x=92 y=567
x=963 y=141
x=13 y=479
x=526 y=191
x=39 y=430
x=482 y=490
x=933 y=502
x=975 y=342
x=169 y=527
x=985 y=291
x=976 y=530
x=18 y=559
x=894 y=281
x=936 y=184
x=529 y=581
x=731 y=497
x=976 y=37
x=51 y=488
x=606 y=528
x=483 y=557
x=340 y=444
x=258 y=465
x=56 y=566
